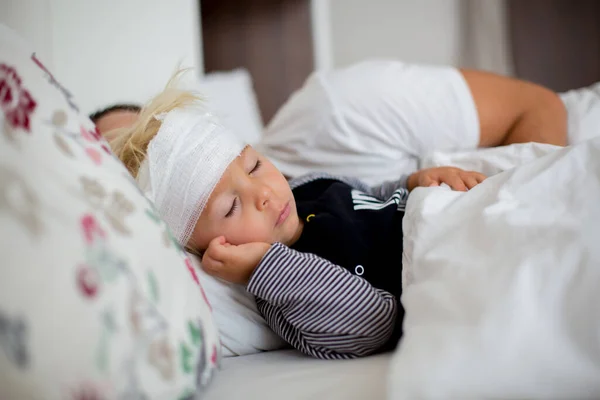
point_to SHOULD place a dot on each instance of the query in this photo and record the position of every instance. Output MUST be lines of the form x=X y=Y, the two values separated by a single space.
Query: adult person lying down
x=375 y=119
x=322 y=255
x=114 y=117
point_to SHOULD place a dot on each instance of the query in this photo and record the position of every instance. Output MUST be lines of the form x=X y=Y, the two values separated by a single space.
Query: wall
x=321 y=33
x=124 y=50
x=30 y=19
x=425 y=31
x=109 y=50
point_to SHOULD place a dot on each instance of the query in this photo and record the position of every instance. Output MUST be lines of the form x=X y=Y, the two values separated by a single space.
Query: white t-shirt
x=372 y=120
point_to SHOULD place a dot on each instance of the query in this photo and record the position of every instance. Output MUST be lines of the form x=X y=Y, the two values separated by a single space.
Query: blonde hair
x=130 y=144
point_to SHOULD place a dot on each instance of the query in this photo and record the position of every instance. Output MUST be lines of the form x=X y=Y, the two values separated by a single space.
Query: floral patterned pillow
x=97 y=301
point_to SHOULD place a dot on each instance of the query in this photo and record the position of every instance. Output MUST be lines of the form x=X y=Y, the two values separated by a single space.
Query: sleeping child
x=321 y=254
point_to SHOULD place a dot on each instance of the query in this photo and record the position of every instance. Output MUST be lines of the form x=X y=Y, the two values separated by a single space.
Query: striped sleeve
x=388 y=188
x=320 y=308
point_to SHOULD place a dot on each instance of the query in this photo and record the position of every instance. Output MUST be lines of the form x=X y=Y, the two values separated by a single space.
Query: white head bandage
x=183 y=164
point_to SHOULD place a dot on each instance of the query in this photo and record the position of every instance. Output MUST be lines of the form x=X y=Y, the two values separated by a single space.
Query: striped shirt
x=320 y=308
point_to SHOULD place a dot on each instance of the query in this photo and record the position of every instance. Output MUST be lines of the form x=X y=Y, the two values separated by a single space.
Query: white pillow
x=242 y=328
x=96 y=300
x=231 y=97
x=501 y=285
x=583 y=108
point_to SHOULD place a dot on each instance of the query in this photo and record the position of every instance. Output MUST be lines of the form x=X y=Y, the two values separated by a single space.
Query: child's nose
x=263 y=198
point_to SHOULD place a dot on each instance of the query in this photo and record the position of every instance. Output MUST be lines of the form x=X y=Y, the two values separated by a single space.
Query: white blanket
x=502 y=283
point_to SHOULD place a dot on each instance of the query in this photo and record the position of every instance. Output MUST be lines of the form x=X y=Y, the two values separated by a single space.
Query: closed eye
x=256 y=167
x=233 y=208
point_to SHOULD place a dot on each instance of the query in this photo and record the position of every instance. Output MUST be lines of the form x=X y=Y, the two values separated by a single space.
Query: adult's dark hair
x=115 y=107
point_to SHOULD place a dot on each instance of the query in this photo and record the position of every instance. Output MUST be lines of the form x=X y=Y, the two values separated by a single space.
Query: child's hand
x=456 y=178
x=232 y=263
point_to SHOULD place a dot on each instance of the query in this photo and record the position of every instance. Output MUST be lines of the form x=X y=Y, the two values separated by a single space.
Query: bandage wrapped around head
x=183 y=164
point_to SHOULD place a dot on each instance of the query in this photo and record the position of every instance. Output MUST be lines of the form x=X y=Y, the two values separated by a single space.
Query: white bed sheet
x=501 y=282
x=287 y=374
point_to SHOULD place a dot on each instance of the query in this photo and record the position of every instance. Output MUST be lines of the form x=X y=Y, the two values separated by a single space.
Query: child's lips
x=284 y=214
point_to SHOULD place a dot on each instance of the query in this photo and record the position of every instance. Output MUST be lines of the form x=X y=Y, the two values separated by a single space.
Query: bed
x=448 y=352
x=287 y=374
x=144 y=331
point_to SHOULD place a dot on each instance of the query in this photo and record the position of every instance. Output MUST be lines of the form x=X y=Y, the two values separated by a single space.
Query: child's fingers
x=428 y=181
x=456 y=183
x=217 y=249
x=224 y=252
x=211 y=265
x=480 y=177
x=470 y=181
x=218 y=241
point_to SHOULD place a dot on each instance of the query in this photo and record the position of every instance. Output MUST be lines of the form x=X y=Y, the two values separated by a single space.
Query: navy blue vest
x=353 y=230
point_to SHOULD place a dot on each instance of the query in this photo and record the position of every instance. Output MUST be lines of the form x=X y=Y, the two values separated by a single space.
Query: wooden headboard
x=556 y=43
x=270 y=38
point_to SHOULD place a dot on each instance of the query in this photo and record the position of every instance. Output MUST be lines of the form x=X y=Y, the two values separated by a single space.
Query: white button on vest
x=359 y=270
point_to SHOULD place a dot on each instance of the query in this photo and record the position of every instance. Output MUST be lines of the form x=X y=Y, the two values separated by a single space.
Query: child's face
x=252 y=202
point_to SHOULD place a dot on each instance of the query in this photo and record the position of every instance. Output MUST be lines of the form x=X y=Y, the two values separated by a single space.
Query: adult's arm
x=516 y=111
